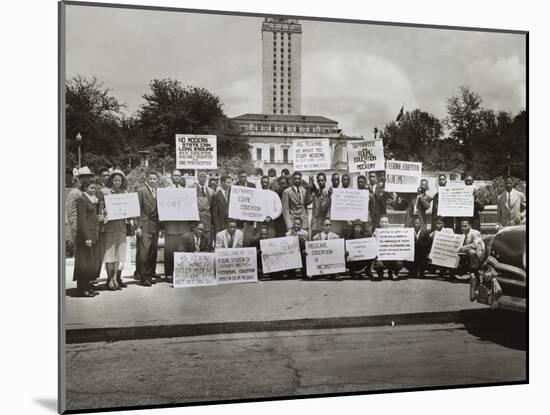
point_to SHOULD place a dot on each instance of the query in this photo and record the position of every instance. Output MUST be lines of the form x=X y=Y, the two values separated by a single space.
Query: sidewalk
x=163 y=311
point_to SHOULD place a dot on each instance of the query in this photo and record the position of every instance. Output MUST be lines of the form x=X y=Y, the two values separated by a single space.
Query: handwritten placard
x=361 y=249
x=194 y=269
x=311 y=154
x=122 y=206
x=349 y=204
x=279 y=254
x=403 y=176
x=395 y=244
x=444 y=252
x=177 y=204
x=325 y=257
x=236 y=265
x=248 y=203
x=196 y=151
x=456 y=200
x=365 y=155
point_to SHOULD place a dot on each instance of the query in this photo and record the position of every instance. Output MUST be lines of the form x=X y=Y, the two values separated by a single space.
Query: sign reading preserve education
x=194 y=269
x=365 y=155
x=122 y=206
x=325 y=257
x=235 y=265
x=311 y=154
x=349 y=204
x=177 y=203
x=403 y=176
x=196 y=151
x=279 y=254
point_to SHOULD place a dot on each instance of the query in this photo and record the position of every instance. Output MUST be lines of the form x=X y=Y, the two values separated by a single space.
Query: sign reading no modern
x=311 y=154
x=196 y=151
x=365 y=155
x=403 y=176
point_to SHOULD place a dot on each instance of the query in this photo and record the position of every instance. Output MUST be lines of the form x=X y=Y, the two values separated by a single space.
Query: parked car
x=502 y=280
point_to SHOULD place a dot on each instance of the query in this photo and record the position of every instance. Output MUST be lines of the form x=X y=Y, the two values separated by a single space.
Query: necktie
x=203 y=194
x=197 y=244
x=415 y=212
x=231 y=240
x=508 y=201
x=298 y=191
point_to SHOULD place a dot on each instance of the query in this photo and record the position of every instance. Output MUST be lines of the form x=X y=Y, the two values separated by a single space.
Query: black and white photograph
x=270 y=206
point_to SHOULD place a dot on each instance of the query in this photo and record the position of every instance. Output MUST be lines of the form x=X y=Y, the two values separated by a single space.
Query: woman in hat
x=114 y=234
x=87 y=255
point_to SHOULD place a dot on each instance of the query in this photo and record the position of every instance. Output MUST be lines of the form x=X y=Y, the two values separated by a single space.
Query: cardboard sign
x=403 y=176
x=279 y=254
x=311 y=154
x=395 y=244
x=325 y=257
x=248 y=203
x=194 y=269
x=177 y=203
x=236 y=265
x=122 y=206
x=365 y=155
x=349 y=204
x=444 y=252
x=196 y=151
x=361 y=249
x=456 y=200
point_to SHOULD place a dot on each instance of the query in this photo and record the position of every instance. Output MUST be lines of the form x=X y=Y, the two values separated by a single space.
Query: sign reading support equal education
x=280 y=254
x=194 y=269
x=361 y=249
x=196 y=151
x=235 y=265
x=403 y=176
x=365 y=155
x=456 y=200
x=395 y=244
x=248 y=203
x=349 y=204
x=122 y=206
x=445 y=248
x=313 y=154
x=325 y=257
x=177 y=203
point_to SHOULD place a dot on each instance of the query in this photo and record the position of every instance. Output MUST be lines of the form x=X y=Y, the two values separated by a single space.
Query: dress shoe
x=85 y=293
x=146 y=283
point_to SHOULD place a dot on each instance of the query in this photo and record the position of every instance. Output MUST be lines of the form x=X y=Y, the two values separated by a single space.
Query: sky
x=357 y=74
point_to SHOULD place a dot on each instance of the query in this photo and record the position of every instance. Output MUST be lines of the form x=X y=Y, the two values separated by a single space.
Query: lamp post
x=79 y=140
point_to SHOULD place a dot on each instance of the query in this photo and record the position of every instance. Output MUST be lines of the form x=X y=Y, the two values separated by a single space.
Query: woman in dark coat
x=87 y=253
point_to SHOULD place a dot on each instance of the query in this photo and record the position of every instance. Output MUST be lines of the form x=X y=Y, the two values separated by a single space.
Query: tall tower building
x=281 y=66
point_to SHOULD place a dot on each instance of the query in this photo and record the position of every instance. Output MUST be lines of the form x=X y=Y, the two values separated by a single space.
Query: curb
x=111 y=334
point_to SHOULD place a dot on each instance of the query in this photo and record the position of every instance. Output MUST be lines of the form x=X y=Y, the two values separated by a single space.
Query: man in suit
x=340 y=226
x=421 y=249
x=204 y=203
x=362 y=185
x=231 y=237
x=280 y=225
x=263 y=233
x=303 y=236
x=510 y=206
x=220 y=204
x=84 y=173
x=478 y=204
x=449 y=221
x=362 y=268
x=147 y=231
x=295 y=200
x=325 y=235
x=393 y=267
x=274 y=207
x=173 y=231
x=195 y=241
x=320 y=204
x=473 y=249
x=247 y=227
x=381 y=197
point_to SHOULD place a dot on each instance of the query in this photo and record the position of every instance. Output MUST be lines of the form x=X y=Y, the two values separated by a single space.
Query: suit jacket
x=448 y=221
x=188 y=242
x=422 y=204
x=148 y=219
x=220 y=210
x=474 y=241
x=71 y=210
x=320 y=208
x=204 y=204
x=381 y=201
x=86 y=220
x=294 y=205
x=223 y=237
x=321 y=236
x=508 y=216
x=422 y=241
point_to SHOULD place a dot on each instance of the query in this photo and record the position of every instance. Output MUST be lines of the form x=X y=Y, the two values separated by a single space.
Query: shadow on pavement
x=507 y=328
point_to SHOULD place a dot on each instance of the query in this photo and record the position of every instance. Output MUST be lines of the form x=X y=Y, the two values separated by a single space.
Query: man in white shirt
x=231 y=237
x=274 y=207
x=473 y=250
x=511 y=205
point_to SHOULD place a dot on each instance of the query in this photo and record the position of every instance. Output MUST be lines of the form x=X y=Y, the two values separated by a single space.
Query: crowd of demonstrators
x=96 y=240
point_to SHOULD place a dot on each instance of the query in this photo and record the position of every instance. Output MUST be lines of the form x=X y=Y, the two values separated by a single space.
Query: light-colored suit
x=223 y=237
x=508 y=215
x=322 y=237
x=294 y=206
x=473 y=241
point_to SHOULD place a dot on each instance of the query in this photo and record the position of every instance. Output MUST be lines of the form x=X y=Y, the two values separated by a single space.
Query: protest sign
x=177 y=203
x=235 y=265
x=190 y=181
x=313 y=154
x=395 y=244
x=365 y=155
x=279 y=254
x=456 y=200
x=361 y=249
x=248 y=203
x=196 y=151
x=122 y=206
x=349 y=204
x=403 y=176
x=193 y=269
x=325 y=257
x=445 y=248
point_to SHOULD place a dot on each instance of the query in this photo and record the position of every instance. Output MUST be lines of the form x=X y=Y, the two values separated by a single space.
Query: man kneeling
x=472 y=251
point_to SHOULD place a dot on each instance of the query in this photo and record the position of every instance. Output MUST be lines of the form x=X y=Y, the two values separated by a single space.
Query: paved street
x=246 y=365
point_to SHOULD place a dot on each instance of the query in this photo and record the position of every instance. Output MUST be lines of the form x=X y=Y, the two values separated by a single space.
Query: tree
x=93 y=112
x=171 y=109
